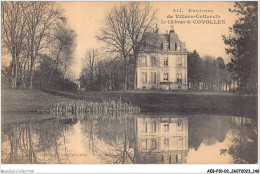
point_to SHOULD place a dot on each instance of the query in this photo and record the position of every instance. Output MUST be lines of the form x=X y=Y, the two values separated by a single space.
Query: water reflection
x=161 y=140
x=126 y=139
x=35 y=143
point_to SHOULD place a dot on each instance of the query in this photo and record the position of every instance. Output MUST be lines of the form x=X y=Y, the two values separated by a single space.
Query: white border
x=124 y=168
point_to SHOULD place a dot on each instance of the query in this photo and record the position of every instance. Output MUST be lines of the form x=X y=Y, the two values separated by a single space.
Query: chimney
x=156 y=29
x=183 y=46
x=172 y=29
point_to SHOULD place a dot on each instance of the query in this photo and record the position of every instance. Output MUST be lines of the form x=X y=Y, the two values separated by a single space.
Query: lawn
x=25 y=102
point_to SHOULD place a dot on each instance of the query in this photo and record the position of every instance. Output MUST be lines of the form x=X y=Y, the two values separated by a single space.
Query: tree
x=127 y=28
x=62 y=49
x=115 y=35
x=107 y=74
x=194 y=69
x=243 y=148
x=207 y=73
x=14 y=18
x=139 y=24
x=243 y=44
x=27 y=30
x=90 y=61
x=222 y=75
x=42 y=18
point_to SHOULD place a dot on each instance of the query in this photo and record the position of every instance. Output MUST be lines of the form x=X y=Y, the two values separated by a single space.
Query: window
x=144 y=144
x=165 y=76
x=179 y=77
x=153 y=77
x=179 y=62
x=179 y=143
x=144 y=77
x=165 y=47
x=166 y=127
x=153 y=61
x=153 y=126
x=144 y=61
x=166 y=142
x=144 y=126
x=153 y=144
x=179 y=48
x=165 y=62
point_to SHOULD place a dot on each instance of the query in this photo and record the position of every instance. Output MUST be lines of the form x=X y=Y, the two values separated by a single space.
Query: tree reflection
x=35 y=143
x=244 y=144
x=120 y=152
x=125 y=139
x=115 y=133
x=207 y=129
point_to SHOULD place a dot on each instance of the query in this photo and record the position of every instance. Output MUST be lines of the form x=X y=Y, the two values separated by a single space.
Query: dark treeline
x=208 y=73
x=40 y=43
x=100 y=73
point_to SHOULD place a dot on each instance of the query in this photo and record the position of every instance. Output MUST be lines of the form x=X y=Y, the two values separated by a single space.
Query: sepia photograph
x=129 y=82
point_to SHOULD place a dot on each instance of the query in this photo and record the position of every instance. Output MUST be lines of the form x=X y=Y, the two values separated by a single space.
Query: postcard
x=118 y=82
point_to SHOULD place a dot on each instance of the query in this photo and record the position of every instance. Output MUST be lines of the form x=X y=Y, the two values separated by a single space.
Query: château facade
x=166 y=67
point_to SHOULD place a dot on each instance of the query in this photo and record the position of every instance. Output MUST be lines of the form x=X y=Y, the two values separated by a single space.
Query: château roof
x=160 y=42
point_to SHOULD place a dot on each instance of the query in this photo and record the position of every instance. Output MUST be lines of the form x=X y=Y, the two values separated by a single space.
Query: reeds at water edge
x=79 y=107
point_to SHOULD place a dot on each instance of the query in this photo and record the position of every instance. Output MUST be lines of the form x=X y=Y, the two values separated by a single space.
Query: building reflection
x=161 y=140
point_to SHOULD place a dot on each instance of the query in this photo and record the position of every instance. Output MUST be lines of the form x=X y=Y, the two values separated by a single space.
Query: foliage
x=50 y=78
x=207 y=129
x=125 y=30
x=207 y=72
x=104 y=75
x=244 y=144
x=30 y=30
x=243 y=44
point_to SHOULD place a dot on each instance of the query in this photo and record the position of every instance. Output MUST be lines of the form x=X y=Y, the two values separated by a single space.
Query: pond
x=132 y=139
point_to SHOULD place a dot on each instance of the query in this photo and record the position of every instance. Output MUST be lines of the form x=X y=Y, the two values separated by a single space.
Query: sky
x=86 y=18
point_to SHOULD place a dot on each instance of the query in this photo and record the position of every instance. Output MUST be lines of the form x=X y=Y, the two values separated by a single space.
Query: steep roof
x=157 y=41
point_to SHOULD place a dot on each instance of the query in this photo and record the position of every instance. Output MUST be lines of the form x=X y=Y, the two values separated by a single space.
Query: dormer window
x=179 y=48
x=165 y=47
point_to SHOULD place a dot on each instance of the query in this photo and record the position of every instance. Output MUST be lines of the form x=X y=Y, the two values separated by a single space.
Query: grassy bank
x=179 y=102
x=25 y=105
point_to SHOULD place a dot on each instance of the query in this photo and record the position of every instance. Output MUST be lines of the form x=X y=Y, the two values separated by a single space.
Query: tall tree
x=90 y=61
x=14 y=30
x=140 y=20
x=243 y=44
x=63 y=47
x=42 y=18
x=115 y=35
x=194 y=69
